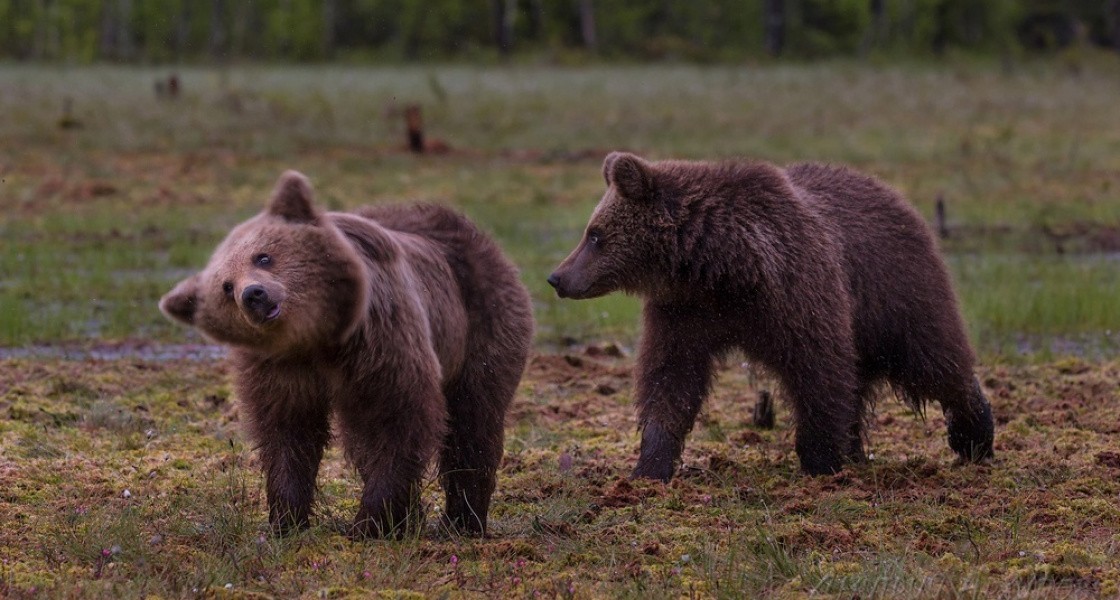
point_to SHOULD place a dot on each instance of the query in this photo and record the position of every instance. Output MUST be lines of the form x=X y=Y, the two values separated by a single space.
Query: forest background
x=163 y=31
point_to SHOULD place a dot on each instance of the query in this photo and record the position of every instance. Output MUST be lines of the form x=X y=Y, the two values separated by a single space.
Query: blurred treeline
x=705 y=30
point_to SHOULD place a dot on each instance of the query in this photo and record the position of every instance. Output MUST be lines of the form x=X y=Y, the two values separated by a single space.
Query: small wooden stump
x=68 y=120
x=764 y=411
x=414 y=126
x=167 y=89
x=942 y=219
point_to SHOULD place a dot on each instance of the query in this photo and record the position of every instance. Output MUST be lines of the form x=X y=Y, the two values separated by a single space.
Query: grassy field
x=100 y=395
x=97 y=221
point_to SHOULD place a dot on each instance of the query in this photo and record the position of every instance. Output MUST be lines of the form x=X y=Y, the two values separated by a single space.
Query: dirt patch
x=1109 y=459
x=628 y=493
x=574 y=368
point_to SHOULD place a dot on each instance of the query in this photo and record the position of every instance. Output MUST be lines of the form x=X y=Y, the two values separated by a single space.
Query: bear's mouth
x=262 y=313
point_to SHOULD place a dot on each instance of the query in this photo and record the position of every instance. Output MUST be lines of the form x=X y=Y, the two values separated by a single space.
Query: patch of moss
x=565 y=517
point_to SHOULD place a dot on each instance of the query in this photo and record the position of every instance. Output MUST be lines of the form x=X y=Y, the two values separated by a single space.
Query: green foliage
x=716 y=30
x=829 y=27
x=924 y=26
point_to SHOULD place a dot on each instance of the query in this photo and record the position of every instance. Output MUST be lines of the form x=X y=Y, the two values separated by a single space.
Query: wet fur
x=426 y=364
x=825 y=276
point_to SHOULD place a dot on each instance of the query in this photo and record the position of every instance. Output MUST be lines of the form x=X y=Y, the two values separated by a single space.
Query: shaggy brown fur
x=825 y=276
x=407 y=323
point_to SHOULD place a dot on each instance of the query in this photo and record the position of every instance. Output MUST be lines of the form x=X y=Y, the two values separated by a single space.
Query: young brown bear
x=823 y=275
x=407 y=323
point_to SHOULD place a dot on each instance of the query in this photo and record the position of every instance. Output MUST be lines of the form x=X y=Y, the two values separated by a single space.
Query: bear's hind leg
x=968 y=419
x=828 y=416
x=936 y=364
x=473 y=447
x=864 y=399
x=968 y=416
x=390 y=437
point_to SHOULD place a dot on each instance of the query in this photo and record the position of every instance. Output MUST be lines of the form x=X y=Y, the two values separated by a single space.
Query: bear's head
x=623 y=243
x=286 y=280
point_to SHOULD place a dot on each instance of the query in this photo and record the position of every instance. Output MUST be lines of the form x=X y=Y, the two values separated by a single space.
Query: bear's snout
x=258 y=305
x=557 y=283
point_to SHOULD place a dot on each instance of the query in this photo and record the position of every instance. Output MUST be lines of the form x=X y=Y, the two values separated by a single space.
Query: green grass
x=98 y=221
x=1040 y=304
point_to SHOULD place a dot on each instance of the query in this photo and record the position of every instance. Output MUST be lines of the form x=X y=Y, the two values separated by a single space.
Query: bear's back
x=852 y=198
x=455 y=237
x=426 y=220
x=894 y=268
x=492 y=291
x=869 y=216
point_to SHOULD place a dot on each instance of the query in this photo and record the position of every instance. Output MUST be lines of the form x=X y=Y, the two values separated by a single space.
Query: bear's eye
x=262 y=260
x=593 y=238
x=227 y=287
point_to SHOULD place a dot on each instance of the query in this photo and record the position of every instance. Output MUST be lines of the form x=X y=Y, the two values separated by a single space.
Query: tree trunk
x=330 y=26
x=775 y=15
x=536 y=20
x=502 y=36
x=217 y=28
x=41 y=25
x=52 y=38
x=875 y=31
x=124 y=29
x=107 y=39
x=182 y=29
x=587 y=25
x=1112 y=22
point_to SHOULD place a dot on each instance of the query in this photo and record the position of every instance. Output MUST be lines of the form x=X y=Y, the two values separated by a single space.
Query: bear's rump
x=905 y=313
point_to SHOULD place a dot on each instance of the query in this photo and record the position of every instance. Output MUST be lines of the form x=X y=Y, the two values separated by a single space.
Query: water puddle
x=147 y=351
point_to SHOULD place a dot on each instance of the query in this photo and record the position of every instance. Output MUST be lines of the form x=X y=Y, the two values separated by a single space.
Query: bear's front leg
x=674 y=376
x=286 y=412
x=290 y=444
x=290 y=466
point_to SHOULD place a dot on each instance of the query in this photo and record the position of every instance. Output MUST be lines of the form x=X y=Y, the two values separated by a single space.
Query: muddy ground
x=129 y=477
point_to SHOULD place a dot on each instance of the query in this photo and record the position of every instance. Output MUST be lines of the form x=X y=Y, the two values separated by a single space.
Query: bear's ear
x=292 y=199
x=631 y=175
x=180 y=303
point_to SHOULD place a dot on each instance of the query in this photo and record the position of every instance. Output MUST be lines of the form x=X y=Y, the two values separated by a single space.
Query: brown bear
x=824 y=276
x=407 y=323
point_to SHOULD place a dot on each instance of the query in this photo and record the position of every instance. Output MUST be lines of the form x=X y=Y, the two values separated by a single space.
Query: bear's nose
x=254 y=295
x=553 y=280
